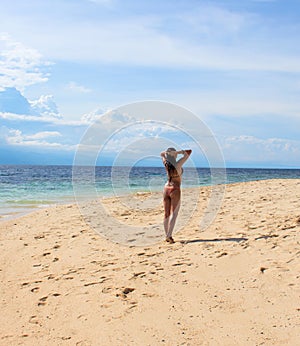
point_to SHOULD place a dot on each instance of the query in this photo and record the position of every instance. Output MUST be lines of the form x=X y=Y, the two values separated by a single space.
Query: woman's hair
x=170 y=164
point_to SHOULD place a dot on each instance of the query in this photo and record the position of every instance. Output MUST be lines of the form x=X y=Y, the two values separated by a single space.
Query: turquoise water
x=23 y=188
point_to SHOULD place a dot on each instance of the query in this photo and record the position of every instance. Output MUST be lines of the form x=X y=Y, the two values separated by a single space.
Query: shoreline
x=50 y=187
x=13 y=215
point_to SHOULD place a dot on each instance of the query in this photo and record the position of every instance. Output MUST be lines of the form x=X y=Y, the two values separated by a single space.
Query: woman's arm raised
x=186 y=154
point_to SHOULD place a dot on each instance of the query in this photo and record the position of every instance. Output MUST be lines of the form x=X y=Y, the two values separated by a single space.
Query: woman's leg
x=167 y=208
x=175 y=206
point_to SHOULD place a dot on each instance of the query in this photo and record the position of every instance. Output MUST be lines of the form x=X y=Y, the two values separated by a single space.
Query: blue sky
x=235 y=64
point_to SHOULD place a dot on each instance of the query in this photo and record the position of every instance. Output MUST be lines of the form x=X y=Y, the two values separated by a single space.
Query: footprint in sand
x=125 y=291
x=140 y=274
x=33 y=320
x=42 y=301
x=144 y=261
x=128 y=290
x=41 y=236
x=107 y=289
x=148 y=295
x=140 y=233
x=132 y=305
x=35 y=289
x=102 y=279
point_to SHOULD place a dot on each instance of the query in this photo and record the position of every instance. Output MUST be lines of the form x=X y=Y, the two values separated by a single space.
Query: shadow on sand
x=215 y=240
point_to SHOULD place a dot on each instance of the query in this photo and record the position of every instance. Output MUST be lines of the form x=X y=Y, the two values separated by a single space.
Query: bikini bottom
x=168 y=189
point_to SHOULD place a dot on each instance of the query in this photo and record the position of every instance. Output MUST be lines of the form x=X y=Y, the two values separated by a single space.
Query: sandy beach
x=235 y=282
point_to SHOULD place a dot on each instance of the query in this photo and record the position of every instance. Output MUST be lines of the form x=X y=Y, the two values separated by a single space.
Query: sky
x=66 y=64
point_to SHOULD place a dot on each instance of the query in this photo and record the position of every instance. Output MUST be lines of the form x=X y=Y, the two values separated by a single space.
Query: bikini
x=168 y=189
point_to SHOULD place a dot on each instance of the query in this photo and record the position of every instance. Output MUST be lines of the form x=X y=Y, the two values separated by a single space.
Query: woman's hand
x=185 y=152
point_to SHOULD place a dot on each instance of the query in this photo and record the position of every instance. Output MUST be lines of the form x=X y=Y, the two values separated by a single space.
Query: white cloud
x=12 y=101
x=239 y=101
x=42 y=135
x=93 y=116
x=73 y=86
x=20 y=66
x=247 y=149
x=17 y=138
x=229 y=39
x=269 y=144
x=45 y=106
x=140 y=130
x=39 y=119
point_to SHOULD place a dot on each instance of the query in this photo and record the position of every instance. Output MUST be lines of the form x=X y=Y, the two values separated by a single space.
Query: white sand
x=234 y=283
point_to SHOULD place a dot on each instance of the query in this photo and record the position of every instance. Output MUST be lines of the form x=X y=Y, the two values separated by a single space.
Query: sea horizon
x=152 y=166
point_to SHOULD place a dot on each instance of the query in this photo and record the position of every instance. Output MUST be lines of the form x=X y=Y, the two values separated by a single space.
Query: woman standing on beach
x=171 y=194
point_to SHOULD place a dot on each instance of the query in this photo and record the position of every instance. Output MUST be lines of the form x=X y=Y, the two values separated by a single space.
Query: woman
x=171 y=194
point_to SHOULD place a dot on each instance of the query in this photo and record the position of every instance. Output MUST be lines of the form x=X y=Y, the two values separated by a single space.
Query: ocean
x=24 y=188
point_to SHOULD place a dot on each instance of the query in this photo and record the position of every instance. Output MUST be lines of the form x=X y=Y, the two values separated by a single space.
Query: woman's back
x=174 y=173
